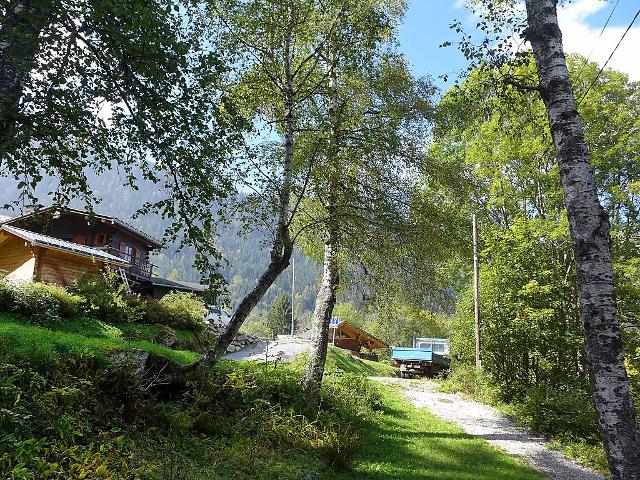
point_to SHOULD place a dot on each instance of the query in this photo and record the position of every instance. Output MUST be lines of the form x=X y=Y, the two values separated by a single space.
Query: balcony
x=138 y=269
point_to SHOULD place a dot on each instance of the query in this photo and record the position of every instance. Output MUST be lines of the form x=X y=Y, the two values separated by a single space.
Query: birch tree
x=589 y=227
x=362 y=189
x=280 y=46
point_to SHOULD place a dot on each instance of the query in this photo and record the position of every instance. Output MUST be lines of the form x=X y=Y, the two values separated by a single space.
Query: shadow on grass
x=406 y=443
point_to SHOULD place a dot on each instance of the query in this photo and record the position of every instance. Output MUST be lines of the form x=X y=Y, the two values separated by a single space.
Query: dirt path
x=486 y=422
x=284 y=349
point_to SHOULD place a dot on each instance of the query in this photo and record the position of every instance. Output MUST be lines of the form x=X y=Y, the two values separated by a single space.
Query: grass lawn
x=341 y=361
x=407 y=443
x=41 y=345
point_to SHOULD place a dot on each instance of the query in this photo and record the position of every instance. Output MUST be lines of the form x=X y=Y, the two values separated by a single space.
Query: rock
x=166 y=337
x=136 y=360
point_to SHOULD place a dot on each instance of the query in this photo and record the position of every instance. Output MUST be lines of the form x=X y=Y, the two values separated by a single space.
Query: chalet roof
x=152 y=241
x=4 y=218
x=177 y=284
x=364 y=338
x=57 y=244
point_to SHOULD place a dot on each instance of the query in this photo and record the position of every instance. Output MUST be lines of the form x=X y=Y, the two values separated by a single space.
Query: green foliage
x=278 y=318
x=106 y=298
x=565 y=414
x=532 y=340
x=178 y=310
x=397 y=322
x=472 y=381
x=43 y=303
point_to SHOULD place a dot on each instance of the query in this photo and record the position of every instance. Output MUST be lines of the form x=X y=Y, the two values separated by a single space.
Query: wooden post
x=293 y=283
x=476 y=290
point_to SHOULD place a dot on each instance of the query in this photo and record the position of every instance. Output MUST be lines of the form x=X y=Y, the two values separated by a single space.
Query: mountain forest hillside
x=244 y=253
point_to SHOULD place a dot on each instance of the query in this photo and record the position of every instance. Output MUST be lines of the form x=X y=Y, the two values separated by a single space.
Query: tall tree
x=280 y=48
x=368 y=168
x=589 y=227
x=279 y=315
x=126 y=84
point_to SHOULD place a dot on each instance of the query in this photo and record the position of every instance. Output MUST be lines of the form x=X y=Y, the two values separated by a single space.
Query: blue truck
x=427 y=358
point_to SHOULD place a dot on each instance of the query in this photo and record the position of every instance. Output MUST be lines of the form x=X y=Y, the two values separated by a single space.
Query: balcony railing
x=139 y=268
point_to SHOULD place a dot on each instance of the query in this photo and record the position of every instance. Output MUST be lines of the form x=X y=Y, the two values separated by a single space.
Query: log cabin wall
x=97 y=233
x=16 y=259
x=61 y=268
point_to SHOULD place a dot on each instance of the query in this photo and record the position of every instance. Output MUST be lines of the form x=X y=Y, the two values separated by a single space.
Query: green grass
x=407 y=443
x=40 y=345
x=341 y=361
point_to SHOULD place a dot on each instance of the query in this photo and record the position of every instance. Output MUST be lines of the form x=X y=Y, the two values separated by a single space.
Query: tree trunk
x=326 y=298
x=325 y=301
x=589 y=226
x=279 y=262
x=282 y=245
x=21 y=26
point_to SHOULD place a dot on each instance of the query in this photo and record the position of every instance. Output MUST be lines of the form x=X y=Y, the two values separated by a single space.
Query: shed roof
x=177 y=284
x=56 y=243
x=365 y=339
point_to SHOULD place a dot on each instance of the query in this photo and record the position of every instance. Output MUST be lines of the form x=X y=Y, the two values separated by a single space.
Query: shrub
x=177 y=310
x=106 y=298
x=43 y=303
x=6 y=298
x=470 y=380
x=565 y=413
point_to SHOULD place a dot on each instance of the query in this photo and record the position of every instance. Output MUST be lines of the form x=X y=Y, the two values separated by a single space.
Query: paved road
x=285 y=348
x=486 y=422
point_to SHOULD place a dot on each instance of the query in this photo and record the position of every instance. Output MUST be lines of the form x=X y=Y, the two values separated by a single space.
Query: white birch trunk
x=325 y=301
x=589 y=226
x=326 y=298
x=282 y=248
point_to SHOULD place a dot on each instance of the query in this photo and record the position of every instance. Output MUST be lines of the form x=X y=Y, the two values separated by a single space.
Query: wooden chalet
x=347 y=336
x=55 y=245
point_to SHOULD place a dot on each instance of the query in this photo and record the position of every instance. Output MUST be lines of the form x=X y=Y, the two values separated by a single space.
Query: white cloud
x=584 y=39
x=580 y=37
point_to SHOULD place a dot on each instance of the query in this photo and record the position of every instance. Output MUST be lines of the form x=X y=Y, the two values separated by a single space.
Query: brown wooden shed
x=349 y=337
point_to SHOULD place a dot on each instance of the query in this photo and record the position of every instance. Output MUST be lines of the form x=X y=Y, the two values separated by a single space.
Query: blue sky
x=427 y=25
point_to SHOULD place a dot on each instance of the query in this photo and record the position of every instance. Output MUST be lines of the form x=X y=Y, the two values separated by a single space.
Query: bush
x=472 y=381
x=106 y=298
x=43 y=303
x=566 y=413
x=177 y=310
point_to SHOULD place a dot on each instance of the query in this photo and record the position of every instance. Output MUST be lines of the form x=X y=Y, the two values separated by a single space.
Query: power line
x=609 y=18
x=608 y=59
x=599 y=37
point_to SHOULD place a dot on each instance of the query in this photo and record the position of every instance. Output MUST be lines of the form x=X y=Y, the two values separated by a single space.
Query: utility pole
x=293 y=289
x=476 y=290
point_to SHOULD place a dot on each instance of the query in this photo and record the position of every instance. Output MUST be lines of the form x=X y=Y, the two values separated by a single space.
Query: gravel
x=284 y=349
x=486 y=422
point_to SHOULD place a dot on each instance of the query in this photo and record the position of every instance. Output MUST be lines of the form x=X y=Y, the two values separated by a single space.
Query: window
x=438 y=347
x=129 y=253
x=80 y=239
x=101 y=239
x=424 y=345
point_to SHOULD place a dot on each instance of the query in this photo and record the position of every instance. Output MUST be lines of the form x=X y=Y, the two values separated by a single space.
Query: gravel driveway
x=486 y=422
x=284 y=349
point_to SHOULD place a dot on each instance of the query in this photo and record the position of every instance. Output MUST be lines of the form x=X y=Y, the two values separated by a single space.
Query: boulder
x=166 y=337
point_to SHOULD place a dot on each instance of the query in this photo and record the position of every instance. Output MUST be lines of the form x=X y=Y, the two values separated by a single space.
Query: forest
x=249 y=135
